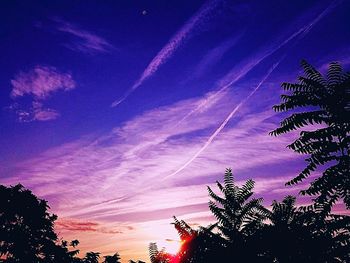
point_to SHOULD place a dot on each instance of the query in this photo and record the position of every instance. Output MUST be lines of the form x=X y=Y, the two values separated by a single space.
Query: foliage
x=246 y=231
x=326 y=102
x=27 y=232
x=159 y=256
x=237 y=213
x=26 y=228
x=200 y=245
x=91 y=257
x=112 y=259
x=308 y=235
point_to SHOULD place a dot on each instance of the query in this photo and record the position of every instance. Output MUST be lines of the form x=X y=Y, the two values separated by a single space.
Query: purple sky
x=119 y=114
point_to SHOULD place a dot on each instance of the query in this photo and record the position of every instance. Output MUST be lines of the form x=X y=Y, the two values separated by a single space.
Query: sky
x=120 y=113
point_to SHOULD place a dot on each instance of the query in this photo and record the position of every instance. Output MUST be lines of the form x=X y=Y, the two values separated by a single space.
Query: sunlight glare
x=171 y=246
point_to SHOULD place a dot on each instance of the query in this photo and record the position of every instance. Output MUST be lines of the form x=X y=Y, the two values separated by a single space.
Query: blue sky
x=111 y=108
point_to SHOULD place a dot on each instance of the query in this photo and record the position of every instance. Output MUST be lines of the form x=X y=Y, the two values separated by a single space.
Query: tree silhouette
x=201 y=245
x=237 y=213
x=64 y=255
x=302 y=235
x=112 y=259
x=91 y=257
x=325 y=101
x=248 y=232
x=239 y=218
x=26 y=227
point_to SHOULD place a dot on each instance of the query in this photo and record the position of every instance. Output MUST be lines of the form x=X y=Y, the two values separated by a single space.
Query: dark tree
x=200 y=246
x=248 y=232
x=239 y=218
x=238 y=214
x=112 y=259
x=301 y=235
x=91 y=257
x=26 y=227
x=323 y=100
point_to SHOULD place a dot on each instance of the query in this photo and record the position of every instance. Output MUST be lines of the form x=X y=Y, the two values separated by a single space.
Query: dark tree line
x=245 y=230
x=27 y=232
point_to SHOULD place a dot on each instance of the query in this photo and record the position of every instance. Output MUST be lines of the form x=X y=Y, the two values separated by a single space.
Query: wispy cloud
x=102 y=179
x=224 y=123
x=242 y=69
x=185 y=32
x=83 y=40
x=36 y=112
x=38 y=84
x=45 y=114
x=68 y=224
x=214 y=55
x=301 y=33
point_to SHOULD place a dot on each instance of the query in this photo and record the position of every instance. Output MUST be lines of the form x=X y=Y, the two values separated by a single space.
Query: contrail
x=302 y=32
x=174 y=43
x=247 y=68
x=224 y=123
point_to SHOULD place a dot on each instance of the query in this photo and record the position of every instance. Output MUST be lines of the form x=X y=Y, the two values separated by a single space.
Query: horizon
x=120 y=114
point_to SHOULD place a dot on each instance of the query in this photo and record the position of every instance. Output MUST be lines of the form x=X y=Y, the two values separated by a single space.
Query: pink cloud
x=45 y=115
x=65 y=224
x=41 y=82
x=38 y=84
x=37 y=112
x=137 y=157
x=121 y=177
x=117 y=179
x=214 y=55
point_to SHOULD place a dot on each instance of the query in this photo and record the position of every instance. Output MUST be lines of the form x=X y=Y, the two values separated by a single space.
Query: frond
x=311 y=72
x=304 y=174
x=217 y=198
x=298 y=120
x=229 y=181
x=245 y=192
x=334 y=74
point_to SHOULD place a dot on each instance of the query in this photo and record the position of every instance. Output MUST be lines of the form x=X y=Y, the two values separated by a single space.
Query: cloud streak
x=130 y=180
x=239 y=72
x=96 y=181
x=224 y=123
x=67 y=224
x=214 y=55
x=83 y=40
x=300 y=34
x=141 y=152
x=174 y=43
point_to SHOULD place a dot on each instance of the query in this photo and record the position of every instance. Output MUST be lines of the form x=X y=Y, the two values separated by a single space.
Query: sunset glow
x=171 y=246
x=121 y=113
